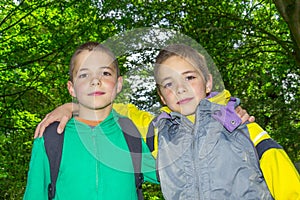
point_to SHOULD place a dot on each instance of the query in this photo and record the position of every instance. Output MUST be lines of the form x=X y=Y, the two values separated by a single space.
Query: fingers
x=62 y=124
x=62 y=114
x=238 y=109
x=251 y=119
x=244 y=115
x=39 y=131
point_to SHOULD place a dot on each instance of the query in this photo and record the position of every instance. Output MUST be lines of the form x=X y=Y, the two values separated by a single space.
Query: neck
x=94 y=114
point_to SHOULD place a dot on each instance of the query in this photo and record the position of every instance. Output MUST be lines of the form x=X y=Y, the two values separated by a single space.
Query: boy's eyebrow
x=108 y=67
x=102 y=67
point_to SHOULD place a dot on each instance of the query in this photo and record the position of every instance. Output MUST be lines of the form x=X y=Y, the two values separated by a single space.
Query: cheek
x=199 y=90
x=169 y=95
x=80 y=87
x=110 y=84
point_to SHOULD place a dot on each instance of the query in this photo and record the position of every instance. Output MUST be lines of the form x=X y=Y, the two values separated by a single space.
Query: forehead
x=176 y=65
x=90 y=59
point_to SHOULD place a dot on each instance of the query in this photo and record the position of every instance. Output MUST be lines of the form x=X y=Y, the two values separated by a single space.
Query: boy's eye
x=83 y=75
x=106 y=74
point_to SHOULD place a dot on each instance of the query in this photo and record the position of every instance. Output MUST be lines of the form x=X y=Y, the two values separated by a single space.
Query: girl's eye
x=82 y=76
x=167 y=85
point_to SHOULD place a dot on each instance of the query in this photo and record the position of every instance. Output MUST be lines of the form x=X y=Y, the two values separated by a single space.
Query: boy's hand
x=62 y=114
x=244 y=115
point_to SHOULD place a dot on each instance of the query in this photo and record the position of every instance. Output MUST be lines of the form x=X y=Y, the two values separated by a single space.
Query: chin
x=187 y=111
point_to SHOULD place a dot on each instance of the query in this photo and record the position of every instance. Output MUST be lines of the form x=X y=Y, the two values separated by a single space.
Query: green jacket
x=96 y=164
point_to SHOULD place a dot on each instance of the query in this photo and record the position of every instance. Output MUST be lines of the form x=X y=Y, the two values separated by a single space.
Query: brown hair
x=92 y=46
x=185 y=52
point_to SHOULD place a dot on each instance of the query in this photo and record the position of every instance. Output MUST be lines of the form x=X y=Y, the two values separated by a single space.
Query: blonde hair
x=185 y=52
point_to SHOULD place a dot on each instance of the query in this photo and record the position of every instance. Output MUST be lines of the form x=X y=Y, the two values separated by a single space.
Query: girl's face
x=181 y=85
x=95 y=83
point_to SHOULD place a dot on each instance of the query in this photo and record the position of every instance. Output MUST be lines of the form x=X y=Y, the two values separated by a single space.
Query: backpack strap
x=150 y=137
x=53 y=145
x=134 y=142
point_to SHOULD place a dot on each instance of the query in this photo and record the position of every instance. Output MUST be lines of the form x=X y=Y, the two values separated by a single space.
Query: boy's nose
x=96 y=81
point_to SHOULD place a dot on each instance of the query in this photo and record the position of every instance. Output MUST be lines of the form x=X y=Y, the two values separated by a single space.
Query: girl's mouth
x=184 y=101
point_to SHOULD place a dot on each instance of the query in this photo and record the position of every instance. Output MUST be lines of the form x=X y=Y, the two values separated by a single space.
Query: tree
x=255 y=45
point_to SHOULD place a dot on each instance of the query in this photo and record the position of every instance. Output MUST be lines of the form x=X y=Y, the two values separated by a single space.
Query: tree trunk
x=290 y=11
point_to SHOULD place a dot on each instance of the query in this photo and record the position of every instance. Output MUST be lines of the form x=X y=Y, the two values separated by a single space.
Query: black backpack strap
x=53 y=145
x=150 y=137
x=134 y=142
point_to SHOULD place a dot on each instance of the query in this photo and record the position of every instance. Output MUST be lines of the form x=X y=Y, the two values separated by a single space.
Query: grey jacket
x=206 y=161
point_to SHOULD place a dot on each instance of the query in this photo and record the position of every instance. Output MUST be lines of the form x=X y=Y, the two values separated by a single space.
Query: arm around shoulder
x=281 y=175
x=140 y=118
x=279 y=172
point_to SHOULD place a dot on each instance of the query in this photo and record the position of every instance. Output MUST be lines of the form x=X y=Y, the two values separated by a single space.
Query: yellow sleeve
x=281 y=176
x=140 y=118
x=280 y=173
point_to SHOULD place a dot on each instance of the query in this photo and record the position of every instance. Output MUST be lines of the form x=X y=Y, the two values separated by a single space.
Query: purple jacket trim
x=162 y=115
x=227 y=116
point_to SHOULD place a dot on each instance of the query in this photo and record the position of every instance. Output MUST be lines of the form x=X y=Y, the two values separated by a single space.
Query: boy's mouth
x=97 y=93
x=184 y=101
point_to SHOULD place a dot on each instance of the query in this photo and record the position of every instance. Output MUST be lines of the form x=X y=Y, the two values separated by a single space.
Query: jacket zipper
x=194 y=162
x=96 y=153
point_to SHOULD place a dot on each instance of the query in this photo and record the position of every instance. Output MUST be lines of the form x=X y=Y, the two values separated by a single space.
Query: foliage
x=255 y=45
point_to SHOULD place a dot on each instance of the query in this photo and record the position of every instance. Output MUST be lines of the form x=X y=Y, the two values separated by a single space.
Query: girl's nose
x=181 y=88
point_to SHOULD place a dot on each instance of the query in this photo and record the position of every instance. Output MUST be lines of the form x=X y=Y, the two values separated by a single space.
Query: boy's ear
x=119 y=84
x=209 y=84
x=71 y=89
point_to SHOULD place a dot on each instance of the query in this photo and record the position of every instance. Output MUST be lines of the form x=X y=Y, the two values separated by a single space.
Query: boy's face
x=181 y=85
x=95 y=83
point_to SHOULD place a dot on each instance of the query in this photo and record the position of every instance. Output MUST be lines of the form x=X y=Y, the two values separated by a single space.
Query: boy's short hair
x=92 y=46
x=185 y=52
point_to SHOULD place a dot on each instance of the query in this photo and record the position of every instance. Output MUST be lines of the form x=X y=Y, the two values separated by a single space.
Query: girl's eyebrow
x=189 y=72
x=184 y=73
x=166 y=78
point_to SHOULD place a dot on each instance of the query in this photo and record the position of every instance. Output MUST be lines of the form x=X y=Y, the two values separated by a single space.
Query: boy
x=96 y=162
x=207 y=158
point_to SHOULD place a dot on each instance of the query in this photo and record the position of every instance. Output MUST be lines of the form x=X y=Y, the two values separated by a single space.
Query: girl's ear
x=71 y=89
x=119 y=84
x=161 y=97
x=209 y=84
